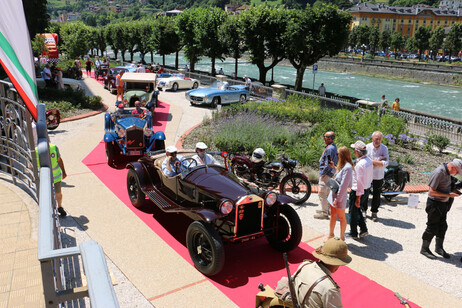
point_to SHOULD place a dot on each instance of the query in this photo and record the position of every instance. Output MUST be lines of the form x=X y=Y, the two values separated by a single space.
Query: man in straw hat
x=314 y=285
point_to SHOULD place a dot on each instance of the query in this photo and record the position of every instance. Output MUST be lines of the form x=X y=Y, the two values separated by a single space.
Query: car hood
x=130 y=93
x=204 y=91
x=130 y=121
x=218 y=182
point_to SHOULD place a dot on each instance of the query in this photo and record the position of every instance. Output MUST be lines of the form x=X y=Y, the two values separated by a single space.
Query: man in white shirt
x=322 y=90
x=378 y=153
x=47 y=76
x=247 y=83
x=203 y=158
x=140 y=68
x=359 y=193
x=98 y=63
x=171 y=164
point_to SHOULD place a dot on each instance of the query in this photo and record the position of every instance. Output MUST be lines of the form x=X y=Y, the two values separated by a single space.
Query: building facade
x=405 y=20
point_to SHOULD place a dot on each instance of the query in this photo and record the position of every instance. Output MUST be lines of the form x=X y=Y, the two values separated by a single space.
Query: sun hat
x=201 y=146
x=458 y=164
x=171 y=149
x=359 y=145
x=333 y=252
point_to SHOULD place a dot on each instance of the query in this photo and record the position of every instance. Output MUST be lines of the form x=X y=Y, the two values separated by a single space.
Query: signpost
x=315 y=70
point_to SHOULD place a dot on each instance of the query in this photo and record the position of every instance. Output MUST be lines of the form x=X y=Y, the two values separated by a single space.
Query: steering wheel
x=187 y=164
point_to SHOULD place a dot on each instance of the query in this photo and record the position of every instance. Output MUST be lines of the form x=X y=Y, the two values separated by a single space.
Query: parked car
x=217 y=94
x=222 y=209
x=130 y=135
x=177 y=81
x=140 y=86
x=109 y=80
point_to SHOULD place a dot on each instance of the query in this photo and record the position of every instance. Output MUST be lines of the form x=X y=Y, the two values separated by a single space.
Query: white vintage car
x=177 y=81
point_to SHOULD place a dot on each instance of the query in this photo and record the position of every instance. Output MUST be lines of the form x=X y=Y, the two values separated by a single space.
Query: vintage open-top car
x=219 y=93
x=109 y=80
x=130 y=135
x=139 y=87
x=177 y=81
x=223 y=210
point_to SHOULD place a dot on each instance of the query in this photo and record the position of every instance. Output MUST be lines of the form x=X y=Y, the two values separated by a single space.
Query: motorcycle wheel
x=389 y=185
x=241 y=170
x=296 y=187
x=205 y=248
x=288 y=232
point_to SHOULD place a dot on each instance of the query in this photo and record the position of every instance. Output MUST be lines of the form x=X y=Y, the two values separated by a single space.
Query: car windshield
x=193 y=162
x=139 y=86
x=178 y=75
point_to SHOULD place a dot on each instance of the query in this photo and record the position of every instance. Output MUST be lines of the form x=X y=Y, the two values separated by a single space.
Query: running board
x=164 y=205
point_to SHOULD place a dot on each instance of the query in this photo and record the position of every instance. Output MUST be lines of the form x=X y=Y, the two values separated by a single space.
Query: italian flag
x=16 y=53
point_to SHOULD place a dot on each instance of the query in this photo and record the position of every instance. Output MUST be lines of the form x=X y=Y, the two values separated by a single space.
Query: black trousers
x=376 y=194
x=436 y=219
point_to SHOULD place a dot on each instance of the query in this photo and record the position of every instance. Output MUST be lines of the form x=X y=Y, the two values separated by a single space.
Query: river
x=433 y=99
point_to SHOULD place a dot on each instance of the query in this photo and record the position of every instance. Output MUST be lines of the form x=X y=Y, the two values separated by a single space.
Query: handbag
x=333 y=185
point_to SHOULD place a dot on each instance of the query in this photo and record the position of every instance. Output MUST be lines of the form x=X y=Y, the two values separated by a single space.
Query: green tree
x=374 y=38
x=385 y=40
x=208 y=23
x=38 y=44
x=231 y=37
x=76 y=37
x=108 y=37
x=361 y=37
x=453 y=41
x=411 y=45
x=312 y=34
x=397 y=42
x=263 y=31
x=165 y=39
x=144 y=29
x=100 y=40
x=422 y=39
x=436 y=41
x=36 y=16
x=186 y=24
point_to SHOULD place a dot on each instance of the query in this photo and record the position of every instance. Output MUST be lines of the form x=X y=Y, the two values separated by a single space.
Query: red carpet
x=247 y=264
x=100 y=80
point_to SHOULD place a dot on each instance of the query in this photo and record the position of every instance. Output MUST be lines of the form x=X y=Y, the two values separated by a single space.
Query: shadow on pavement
x=396 y=223
x=376 y=248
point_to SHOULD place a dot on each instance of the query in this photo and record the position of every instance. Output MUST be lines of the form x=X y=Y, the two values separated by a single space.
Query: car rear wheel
x=195 y=85
x=242 y=98
x=205 y=248
x=215 y=102
x=135 y=193
x=175 y=87
x=287 y=228
x=111 y=153
x=297 y=187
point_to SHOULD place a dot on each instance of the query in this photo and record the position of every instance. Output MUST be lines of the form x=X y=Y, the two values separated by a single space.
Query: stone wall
x=419 y=75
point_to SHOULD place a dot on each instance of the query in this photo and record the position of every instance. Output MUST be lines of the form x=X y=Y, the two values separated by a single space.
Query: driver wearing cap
x=171 y=164
x=203 y=158
x=314 y=285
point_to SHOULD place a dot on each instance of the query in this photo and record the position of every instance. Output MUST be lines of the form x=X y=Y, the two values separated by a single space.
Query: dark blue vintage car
x=130 y=135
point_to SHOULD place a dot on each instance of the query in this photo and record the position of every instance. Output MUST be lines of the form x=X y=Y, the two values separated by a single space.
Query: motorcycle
x=394 y=180
x=53 y=118
x=273 y=174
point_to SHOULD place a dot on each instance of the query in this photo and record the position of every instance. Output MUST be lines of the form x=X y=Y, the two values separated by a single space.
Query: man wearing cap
x=325 y=173
x=171 y=164
x=120 y=110
x=247 y=83
x=359 y=193
x=203 y=158
x=438 y=204
x=314 y=285
x=378 y=153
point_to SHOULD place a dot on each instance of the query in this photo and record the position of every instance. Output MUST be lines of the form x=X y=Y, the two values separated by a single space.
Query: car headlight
x=205 y=98
x=147 y=131
x=226 y=207
x=186 y=95
x=271 y=199
x=121 y=132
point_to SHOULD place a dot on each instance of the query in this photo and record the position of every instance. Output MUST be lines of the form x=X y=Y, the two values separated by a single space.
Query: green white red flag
x=16 y=52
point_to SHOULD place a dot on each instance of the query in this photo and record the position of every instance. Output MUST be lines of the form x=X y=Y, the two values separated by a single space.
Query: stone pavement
x=147 y=270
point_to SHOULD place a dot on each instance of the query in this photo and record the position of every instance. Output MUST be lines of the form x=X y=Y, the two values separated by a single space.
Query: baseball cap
x=171 y=149
x=458 y=164
x=201 y=145
x=359 y=145
x=121 y=105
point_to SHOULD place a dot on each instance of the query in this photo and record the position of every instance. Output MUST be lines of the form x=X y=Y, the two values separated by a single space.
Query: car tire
x=195 y=85
x=111 y=154
x=291 y=184
x=137 y=197
x=205 y=248
x=175 y=87
x=288 y=232
x=242 y=99
x=215 y=102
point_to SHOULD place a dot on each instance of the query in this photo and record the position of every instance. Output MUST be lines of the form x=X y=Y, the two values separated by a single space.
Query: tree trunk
x=131 y=55
x=163 y=60
x=152 y=57
x=123 y=55
x=213 y=67
x=299 y=78
x=236 y=61
x=176 y=59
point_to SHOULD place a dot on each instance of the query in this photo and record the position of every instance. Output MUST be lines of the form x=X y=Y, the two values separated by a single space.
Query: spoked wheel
x=205 y=248
x=286 y=232
x=389 y=185
x=297 y=187
x=241 y=170
x=111 y=153
x=135 y=193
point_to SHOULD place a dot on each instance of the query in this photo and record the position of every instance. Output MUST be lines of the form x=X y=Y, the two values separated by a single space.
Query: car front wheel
x=205 y=248
x=135 y=193
x=285 y=231
x=111 y=154
x=215 y=102
x=242 y=99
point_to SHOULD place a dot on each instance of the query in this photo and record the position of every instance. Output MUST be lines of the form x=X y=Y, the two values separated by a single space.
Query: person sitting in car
x=225 y=86
x=171 y=164
x=138 y=110
x=203 y=158
x=119 y=111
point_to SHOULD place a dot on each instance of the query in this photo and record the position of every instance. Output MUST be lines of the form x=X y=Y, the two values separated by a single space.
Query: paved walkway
x=147 y=270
